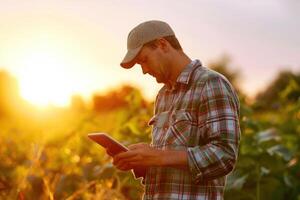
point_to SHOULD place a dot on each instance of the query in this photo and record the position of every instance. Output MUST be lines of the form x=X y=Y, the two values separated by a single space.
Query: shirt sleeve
x=219 y=116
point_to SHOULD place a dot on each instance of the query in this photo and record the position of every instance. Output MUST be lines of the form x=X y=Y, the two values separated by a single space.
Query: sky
x=59 y=48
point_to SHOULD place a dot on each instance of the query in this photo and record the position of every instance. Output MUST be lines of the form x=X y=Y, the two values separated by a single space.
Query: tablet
x=108 y=142
x=115 y=147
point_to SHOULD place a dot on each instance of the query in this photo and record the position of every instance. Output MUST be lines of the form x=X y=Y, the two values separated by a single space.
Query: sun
x=51 y=66
x=44 y=79
x=45 y=82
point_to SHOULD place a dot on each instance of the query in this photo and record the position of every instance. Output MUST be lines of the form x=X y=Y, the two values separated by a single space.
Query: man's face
x=153 y=62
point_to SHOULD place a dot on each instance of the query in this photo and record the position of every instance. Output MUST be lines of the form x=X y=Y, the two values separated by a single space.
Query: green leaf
x=235 y=181
x=267 y=135
x=287 y=180
x=264 y=171
x=281 y=151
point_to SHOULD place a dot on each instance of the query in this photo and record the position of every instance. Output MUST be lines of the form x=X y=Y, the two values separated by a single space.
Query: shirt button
x=199 y=175
x=198 y=178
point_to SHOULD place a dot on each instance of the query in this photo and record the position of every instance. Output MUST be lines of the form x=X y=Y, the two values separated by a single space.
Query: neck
x=177 y=63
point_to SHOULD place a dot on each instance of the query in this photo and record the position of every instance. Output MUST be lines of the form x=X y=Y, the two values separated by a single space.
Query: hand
x=109 y=153
x=112 y=155
x=139 y=155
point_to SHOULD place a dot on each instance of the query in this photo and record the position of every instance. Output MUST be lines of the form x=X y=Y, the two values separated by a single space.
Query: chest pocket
x=182 y=129
x=173 y=129
x=159 y=120
x=160 y=125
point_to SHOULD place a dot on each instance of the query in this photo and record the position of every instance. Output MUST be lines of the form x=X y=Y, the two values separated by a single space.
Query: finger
x=139 y=163
x=124 y=155
x=118 y=162
x=135 y=158
x=137 y=146
x=124 y=167
x=109 y=153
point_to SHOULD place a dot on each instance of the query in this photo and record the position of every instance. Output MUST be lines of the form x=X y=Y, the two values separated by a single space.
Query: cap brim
x=129 y=59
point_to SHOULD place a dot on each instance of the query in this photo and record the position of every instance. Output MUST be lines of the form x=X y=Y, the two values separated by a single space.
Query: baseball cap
x=140 y=35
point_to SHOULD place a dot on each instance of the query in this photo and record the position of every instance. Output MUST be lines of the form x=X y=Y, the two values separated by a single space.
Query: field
x=45 y=153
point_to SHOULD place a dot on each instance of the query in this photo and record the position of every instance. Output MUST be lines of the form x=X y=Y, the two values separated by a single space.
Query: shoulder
x=208 y=78
x=204 y=75
x=215 y=85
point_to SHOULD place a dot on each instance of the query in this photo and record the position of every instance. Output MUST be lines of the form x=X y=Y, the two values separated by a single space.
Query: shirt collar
x=185 y=76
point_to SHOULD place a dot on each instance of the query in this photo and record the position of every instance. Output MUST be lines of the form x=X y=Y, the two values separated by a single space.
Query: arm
x=143 y=155
x=220 y=108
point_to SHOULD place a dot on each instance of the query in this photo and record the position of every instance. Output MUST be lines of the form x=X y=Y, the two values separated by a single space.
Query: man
x=195 y=135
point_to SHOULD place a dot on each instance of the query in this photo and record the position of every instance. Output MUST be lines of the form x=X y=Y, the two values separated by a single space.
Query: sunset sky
x=56 y=48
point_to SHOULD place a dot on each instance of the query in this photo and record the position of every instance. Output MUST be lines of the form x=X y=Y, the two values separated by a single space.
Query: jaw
x=162 y=79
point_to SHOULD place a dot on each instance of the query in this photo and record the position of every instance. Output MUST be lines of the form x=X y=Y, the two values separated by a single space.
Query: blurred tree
x=115 y=99
x=223 y=66
x=77 y=103
x=285 y=88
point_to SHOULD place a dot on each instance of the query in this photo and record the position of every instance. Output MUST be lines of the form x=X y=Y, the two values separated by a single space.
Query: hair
x=171 y=39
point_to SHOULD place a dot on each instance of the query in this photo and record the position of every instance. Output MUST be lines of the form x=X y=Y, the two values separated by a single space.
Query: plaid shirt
x=199 y=115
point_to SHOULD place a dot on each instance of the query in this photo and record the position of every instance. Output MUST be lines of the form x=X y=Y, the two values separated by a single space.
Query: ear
x=163 y=44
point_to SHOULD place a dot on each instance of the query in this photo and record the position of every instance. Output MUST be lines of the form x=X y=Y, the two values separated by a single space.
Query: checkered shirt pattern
x=201 y=116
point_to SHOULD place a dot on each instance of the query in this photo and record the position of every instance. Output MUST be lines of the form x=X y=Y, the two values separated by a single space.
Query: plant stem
x=258 y=182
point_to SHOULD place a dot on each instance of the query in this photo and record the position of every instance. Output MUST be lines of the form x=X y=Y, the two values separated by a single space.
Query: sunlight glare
x=44 y=79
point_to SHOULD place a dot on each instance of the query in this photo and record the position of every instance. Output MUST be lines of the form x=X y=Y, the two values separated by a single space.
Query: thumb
x=137 y=146
x=109 y=153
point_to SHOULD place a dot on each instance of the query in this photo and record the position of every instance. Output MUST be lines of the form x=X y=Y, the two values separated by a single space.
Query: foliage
x=45 y=154
x=283 y=89
x=268 y=166
x=222 y=65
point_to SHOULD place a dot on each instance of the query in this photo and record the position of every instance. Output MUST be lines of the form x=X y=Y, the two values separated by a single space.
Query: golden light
x=45 y=80
x=45 y=73
x=52 y=63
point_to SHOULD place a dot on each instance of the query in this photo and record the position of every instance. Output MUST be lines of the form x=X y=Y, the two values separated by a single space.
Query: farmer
x=195 y=127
